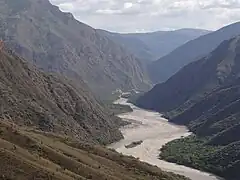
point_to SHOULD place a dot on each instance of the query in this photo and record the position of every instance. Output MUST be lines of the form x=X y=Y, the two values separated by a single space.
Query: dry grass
x=28 y=154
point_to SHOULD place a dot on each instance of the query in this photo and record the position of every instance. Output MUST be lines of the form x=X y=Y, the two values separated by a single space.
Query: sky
x=152 y=15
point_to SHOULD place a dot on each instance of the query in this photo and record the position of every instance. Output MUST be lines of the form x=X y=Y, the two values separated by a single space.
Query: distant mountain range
x=154 y=45
x=56 y=42
x=165 y=67
x=205 y=96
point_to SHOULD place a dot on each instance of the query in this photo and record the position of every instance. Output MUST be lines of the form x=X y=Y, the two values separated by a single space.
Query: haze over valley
x=110 y=90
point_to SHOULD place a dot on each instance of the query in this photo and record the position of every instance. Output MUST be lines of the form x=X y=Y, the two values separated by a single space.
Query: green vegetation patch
x=195 y=152
x=189 y=151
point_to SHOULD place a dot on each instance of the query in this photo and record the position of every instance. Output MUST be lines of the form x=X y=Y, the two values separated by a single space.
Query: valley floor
x=154 y=131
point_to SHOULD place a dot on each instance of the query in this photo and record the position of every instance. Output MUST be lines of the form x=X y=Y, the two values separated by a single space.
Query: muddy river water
x=154 y=131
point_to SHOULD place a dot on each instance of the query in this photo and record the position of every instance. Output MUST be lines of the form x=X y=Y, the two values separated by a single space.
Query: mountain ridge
x=165 y=67
x=150 y=46
x=193 y=83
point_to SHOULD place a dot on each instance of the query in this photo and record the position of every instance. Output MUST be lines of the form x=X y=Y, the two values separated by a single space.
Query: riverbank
x=117 y=109
x=155 y=132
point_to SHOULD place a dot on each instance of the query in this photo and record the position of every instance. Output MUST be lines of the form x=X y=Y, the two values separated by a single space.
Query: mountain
x=165 y=67
x=56 y=42
x=151 y=46
x=195 y=80
x=205 y=96
x=51 y=103
x=52 y=128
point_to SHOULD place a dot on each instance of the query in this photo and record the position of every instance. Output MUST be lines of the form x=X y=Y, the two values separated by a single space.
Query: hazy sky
x=151 y=15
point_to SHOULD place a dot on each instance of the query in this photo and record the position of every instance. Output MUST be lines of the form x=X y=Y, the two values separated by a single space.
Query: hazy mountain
x=168 y=65
x=47 y=102
x=151 y=46
x=57 y=42
x=205 y=96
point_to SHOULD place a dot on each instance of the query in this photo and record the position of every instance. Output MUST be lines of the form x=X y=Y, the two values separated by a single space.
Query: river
x=154 y=131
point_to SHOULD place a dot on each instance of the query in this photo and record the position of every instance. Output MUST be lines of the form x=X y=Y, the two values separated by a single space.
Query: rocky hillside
x=152 y=46
x=205 y=96
x=32 y=98
x=195 y=80
x=56 y=42
x=165 y=67
x=28 y=154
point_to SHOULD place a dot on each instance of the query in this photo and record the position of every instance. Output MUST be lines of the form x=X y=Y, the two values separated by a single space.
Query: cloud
x=128 y=5
x=151 y=15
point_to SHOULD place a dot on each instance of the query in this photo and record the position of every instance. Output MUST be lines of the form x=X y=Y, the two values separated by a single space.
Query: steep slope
x=195 y=80
x=205 y=96
x=47 y=102
x=165 y=67
x=57 y=42
x=27 y=154
x=151 y=46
